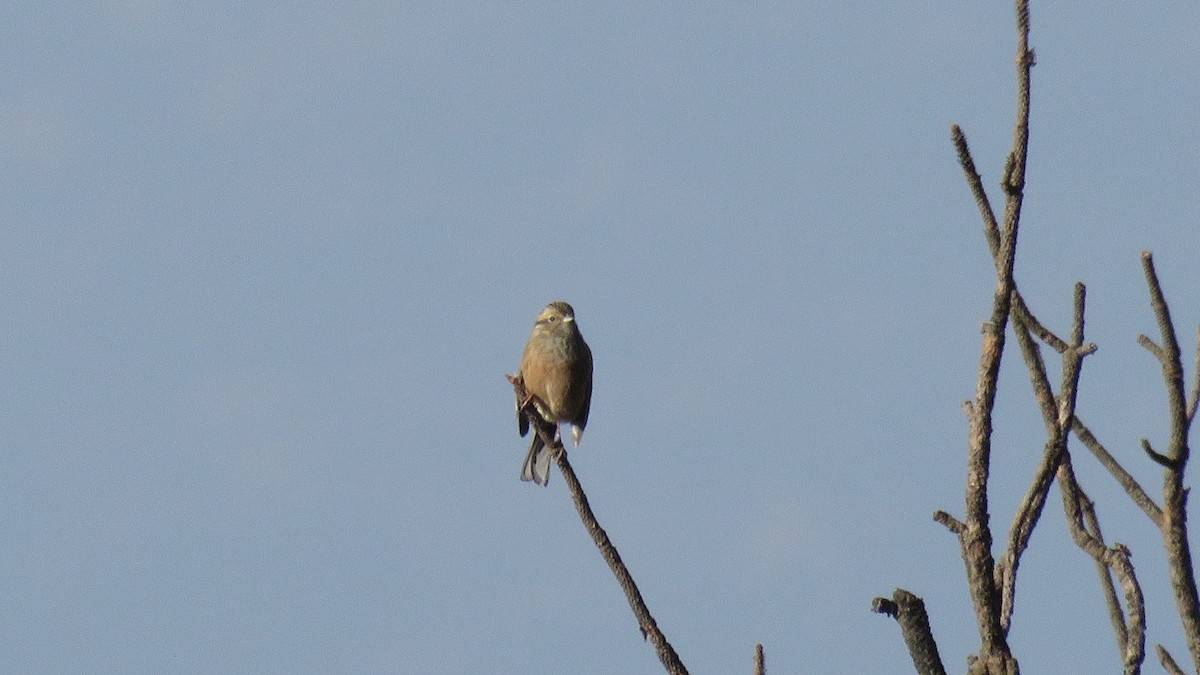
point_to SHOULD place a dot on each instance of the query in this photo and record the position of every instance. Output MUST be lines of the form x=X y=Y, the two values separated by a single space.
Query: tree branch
x=646 y=622
x=1194 y=398
x=1116 y=558
x=1056 y=413
x=994 y=656
x=1115 y=614
x=909 y=611
x=1124 y=478
x=1168 y=663
x=991 y=230
x=949 y=522
x=1174 y=524
x=1161 y=460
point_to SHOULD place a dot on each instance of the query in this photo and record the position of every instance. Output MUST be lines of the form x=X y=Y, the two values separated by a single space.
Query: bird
x=556 y=368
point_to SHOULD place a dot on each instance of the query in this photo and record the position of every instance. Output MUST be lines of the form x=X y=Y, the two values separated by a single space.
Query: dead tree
x=992 y=582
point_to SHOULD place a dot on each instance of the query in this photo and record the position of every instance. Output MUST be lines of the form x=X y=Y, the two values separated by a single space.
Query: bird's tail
x=537 y=462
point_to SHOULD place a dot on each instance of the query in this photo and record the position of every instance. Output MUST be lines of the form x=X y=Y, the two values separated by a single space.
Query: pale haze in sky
x=265 y=266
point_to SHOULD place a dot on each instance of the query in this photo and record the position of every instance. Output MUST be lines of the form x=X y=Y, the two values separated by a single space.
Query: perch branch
x=646 y=623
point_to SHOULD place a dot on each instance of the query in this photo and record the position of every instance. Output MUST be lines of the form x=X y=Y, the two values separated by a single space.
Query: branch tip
x=949 y=522
x=1158 y=458
x=882 y=605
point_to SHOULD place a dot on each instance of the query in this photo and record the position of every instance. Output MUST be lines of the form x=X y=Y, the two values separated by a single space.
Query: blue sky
x=266 y=264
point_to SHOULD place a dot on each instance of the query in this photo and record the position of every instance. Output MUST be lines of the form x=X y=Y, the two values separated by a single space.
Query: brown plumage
x=557 y=371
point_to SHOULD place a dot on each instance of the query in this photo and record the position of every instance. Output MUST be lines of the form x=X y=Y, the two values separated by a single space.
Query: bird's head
x=557 y=317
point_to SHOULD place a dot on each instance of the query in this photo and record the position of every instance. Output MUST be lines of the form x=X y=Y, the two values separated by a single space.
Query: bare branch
x=1126 y=481
x=977 y=535
x=950 y=522
x=909 y=611
x=1031 y=506
x=1174 y=525
x=1168 y=663
x=1116 y=558
x=1014 y=173
x=646 y=622
x=1077 y=318
x=991 y=230
x=760 y=663
x=994 y=656
x=1145 y=341
x=1115 y=614
x=1135 y=645
x=882 y=605
x=1057 y=414
x=1194 y=398
x=1169 y=356
x=1038 y=377
x=1157 y=458
x=1022 y=313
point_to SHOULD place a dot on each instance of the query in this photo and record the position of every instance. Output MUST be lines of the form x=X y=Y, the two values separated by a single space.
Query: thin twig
x=646 y=623
x=1168 y=663
x=649 y=628
x=760 y=663
x=991 y=230
x=1145 y=341
x=1116 y=558
x=1023 y=314
x=1039 y=378
x=1077 y=319
x=1157 y=458
x=1014 y=174
x=1194 y=398
x=950 y=522
x=1123 y=477
x=1116 y=614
